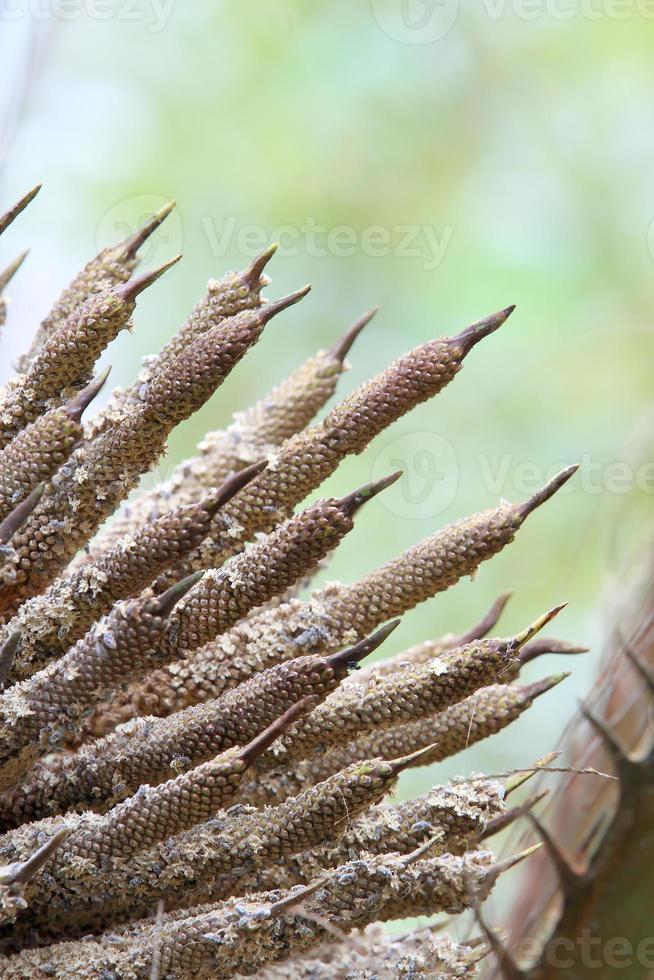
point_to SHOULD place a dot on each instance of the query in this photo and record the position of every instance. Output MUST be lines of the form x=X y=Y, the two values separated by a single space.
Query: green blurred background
x=513 y=144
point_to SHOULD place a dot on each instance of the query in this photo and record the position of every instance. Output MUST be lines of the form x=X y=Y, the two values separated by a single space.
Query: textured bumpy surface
x=194 y=781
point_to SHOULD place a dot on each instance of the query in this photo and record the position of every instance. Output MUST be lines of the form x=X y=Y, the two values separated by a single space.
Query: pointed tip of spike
x=423 y=849
x=128 y=291
x=131 y=245
x=533 y=691
x=413 y=758
x=81 y=402
x=7 y=654
x=13 y=212
x=272 y=309
x=286 y=904
x=254 y=271
x=24 y=871
x=12 y=269
x=545 y=646
x=523 y=776
x=233 y=485
x=350 y=504
x=342 y=347
x=19 y=514
x=520 y=639
x=550 y=488
x=500 y=867
x=353 y=656
x=477 y=331
x=166 y=602
x=250 y=752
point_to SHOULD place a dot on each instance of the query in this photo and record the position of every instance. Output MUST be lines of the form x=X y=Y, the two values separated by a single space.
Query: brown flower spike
x=194 y=771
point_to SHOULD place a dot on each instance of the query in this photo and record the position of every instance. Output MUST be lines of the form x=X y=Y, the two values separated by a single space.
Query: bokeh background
x=437 y=160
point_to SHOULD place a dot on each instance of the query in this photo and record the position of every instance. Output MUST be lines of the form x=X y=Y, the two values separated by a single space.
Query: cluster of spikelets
x=192 y=776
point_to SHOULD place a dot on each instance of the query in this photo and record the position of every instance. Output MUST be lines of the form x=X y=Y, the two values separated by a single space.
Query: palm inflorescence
x=195 y=760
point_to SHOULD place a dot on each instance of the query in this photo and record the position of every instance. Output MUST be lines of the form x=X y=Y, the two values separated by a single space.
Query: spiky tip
x=471 y=336
x=412 y=759
x=131 y=245
x=501 y=866
x=522 y=776
x=342 y=347
x=128 y=291
x=12 y=269
x=423 y=849
x=355 y=654
x=81 y=402
x=284 y=904
x=350 y=504
x=13 y=212
x=272 y=309
x=233 y=485
x=265 y=739
x=532 y=691
x=521 y=638
x=23 y=871
x=547 y=645
x=550 y=488
x=166 y=602
x=19 y=514
x=254 y=271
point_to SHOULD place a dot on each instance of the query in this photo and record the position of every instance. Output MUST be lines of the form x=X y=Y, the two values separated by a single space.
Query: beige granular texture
x=65 y=361
x=200 y=864
x=52 y=622
x=102 y=472
x=449 y=732
x=254 y=434
x=453 y=816
x=374 y=955
x=35 y=454
x=220 y=942
x=37 y=714
x=111 y=267
x=237 y=292
x=152 y=750
x=335 y=615
x=267 y=568
x=414 y=693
